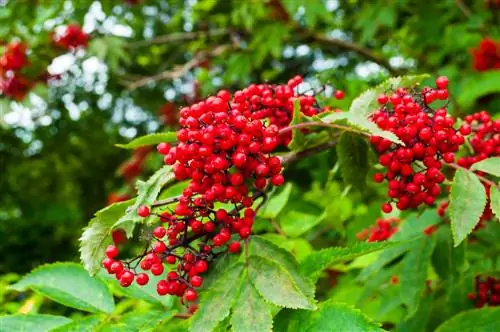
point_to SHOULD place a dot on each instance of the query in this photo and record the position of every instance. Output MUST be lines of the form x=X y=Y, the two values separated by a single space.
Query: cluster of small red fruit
x=484 y=142
x=14 y=82
x=381 y=231
x=487 y=55
x=225 y=152
x=486 y=292
x=413 y=171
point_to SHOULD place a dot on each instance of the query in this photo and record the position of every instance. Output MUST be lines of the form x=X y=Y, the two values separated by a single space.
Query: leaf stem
x=480 y=177
x=321 y=124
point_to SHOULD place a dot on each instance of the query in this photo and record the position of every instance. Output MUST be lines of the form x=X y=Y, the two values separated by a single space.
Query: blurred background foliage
x=145 y=59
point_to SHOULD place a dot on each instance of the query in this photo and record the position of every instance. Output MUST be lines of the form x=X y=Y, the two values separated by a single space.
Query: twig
x=461 y=5
x=185 y=315
x=294 y=156
x=178 y=37
x=482 y=178
x=179 y=71
x=321 y=124
x=351 y=46
x=166 y=201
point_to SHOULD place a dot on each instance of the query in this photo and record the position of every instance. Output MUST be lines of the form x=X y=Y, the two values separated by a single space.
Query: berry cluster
x=224 y=150
x=486 y=55
x=413 y=171
x=487 y=292
x=71 y=38
x=13 y=83
x=382 y=230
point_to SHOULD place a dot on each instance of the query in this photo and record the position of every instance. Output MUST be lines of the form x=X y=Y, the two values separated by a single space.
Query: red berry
x=339 y=94
x=163 y=148
x=190 y=295
x=111 y=251
x=157 y=269
x=143 y=211
x=442 y=82
x=201 y=266
x=386 y=207
x=196 y=281
x=277 y=180
x=234 y=247
x=142 y=279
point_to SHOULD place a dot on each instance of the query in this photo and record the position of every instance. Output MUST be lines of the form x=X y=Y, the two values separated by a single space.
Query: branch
x=481 y=178
x=295 y=156
x=179 y=71
x=178 y=37
x=166 y=201
x=321 y=124
x=324 y=40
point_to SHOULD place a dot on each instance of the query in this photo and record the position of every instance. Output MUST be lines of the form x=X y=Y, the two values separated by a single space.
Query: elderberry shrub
x=224 y=151
x=413 y=171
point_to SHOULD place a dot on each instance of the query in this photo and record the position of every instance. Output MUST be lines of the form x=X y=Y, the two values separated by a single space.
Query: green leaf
x=31 y=323
x=97 y=235
x=319 y=260
x=151 y=139
x=477 y=86
x=295 y=223
x=495 y=201
x=467 y=202
x=490 y=166
x=386 y=257
x=330 y=316
x=147 y=292
x=414 y=273
x=268 y=250
x=276 y=202
x=216 y=302
x=147 y=194
x=87 y=324
x=276 y=285
x=352 y=152
x=250 y=312
x=298 y=138
x=418 y=321
x=143 y=321
x=70 y=285
x=476 y=320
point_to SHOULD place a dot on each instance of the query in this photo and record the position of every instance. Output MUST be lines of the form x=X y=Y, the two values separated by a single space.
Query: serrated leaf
x=330 y=316
x=147 y=194
x=352 y=152
x=143 y=321
x=467 y=202
x=70 y=285
x=268 y=250
x=495 y=201
x=477 y=86
x=276 y=202
x=276 y=285
x=477 y=320
x=490 y=166
x=250 y=312
x=386 y=257
x=150 y=139
x=87 y=324
x=319 y=260
x=414 y=273
x=97 y=235
x=31 y=323
x=298 y=138
x=221 y=295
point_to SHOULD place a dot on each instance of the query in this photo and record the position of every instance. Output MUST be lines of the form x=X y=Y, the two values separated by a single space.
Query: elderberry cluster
x=381 y=231
x=224 y=151
x=413 y=171
x=71 y=38
x=486 y=292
